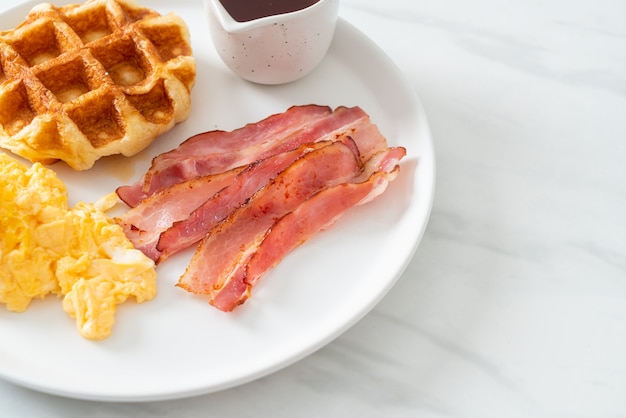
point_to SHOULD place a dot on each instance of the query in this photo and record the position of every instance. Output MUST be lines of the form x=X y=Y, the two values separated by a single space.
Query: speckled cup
x=276 y=49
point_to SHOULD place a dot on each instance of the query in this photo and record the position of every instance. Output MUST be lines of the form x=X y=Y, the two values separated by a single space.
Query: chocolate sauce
x=246 y=10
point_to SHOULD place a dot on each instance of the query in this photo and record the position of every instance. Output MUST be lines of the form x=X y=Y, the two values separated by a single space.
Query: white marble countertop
x=514 y=304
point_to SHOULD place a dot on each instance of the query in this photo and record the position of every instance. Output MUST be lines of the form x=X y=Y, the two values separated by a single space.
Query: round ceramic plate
x=178 y=345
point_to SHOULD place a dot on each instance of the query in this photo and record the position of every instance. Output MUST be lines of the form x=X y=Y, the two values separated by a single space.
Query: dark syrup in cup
x=247 y=10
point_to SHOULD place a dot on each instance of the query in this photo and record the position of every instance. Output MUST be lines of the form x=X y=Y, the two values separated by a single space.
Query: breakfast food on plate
x=257 y=175
x=181 y=215
x=218 y=151
x=83 y=81
x=77 y=253
x=230 y=284
x=251 y=195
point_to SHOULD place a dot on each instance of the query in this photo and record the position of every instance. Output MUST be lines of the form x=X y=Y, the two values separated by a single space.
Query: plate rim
x=427 y=146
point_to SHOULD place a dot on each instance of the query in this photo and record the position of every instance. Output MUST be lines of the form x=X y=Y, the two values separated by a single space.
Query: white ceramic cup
x=275 y=49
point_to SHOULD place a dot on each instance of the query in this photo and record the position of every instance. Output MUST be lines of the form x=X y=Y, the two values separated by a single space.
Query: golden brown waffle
x=82 y=81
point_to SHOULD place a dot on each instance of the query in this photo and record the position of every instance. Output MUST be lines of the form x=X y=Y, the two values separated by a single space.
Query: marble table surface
x=514 y=304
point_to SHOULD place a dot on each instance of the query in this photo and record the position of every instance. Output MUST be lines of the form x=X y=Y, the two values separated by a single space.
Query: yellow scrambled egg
x=77 y=253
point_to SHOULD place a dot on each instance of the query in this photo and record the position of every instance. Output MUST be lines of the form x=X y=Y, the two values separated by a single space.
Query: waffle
x=83 y=81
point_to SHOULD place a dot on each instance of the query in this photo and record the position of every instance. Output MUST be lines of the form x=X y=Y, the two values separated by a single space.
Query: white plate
x=177 y=345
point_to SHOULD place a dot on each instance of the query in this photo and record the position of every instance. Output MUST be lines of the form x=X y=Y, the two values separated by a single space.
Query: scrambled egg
x=77 y=253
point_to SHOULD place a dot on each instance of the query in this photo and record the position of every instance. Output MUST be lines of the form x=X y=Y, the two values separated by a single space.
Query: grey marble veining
x=514 y=304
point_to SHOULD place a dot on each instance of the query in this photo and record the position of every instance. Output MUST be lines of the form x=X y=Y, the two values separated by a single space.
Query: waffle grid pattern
x=82 y=81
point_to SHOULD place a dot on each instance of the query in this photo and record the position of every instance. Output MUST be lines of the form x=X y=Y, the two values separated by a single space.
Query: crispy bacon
x=229 y=244
x=315 y=214
x=197 y=224
x=322 y=210
x=252 y=195
x=218 y=151
x=215 y=151
x=144 y=223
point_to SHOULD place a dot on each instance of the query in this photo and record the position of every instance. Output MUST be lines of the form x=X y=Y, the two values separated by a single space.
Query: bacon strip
x=315 y=214
x=229 y=244
x=218 y=151
x=252 y=195
x=144 y=223
x=279 y=125
x=187 y=161
x=197 y=224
